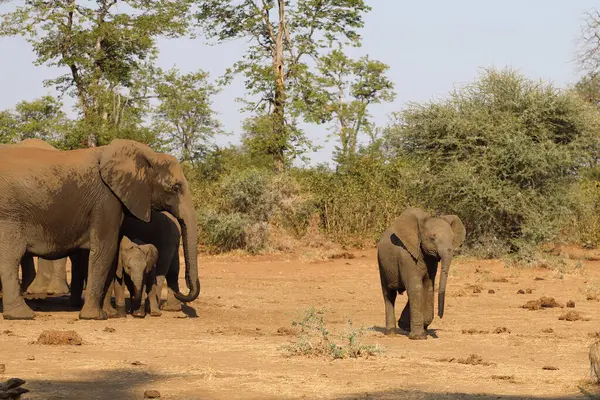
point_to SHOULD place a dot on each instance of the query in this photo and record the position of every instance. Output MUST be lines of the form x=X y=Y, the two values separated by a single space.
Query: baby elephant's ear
x=460 y=233
x=407 y=227
x=151 y=256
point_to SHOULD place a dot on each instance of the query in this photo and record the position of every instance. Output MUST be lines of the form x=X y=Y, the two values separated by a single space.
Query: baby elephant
x=136 y=269
x=408 y=254
x=595 y=361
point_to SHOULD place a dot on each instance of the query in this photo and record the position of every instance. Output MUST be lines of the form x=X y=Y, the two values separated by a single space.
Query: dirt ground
x=227 y=346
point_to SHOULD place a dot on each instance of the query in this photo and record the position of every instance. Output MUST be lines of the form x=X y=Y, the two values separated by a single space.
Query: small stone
x=152 y=394
x=570 y=304
x=137 y=363
x=236 y=306
x=528 y=291
x=476 y=290
x=548 y=330
x=491 y=291
x=520 y=291
x=550 y=368
x=109 y=330
x=539 y=279
x=31 y=358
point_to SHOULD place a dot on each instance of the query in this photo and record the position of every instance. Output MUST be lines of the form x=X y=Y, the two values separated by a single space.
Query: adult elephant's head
x=143 y=180
x=437 y=237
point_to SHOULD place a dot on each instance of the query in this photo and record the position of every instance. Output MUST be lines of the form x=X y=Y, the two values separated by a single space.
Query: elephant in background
x=164 y=232
x=82 y=198
x=408 y=254
x=51 y=277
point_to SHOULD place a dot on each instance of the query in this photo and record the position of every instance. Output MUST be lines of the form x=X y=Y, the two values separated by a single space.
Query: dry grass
x=57 y=338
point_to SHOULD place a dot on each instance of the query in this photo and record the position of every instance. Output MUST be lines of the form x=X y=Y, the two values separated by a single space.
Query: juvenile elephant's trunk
x=187 y=220
x=446 y=261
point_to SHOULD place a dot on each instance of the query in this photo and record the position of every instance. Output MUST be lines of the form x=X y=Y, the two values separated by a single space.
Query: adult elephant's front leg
x=104 y=245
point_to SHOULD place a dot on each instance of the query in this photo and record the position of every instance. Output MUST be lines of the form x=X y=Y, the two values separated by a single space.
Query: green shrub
x=223 y=232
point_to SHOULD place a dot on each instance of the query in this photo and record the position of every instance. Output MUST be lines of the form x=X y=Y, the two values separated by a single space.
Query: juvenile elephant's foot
x=18 y=311
x=121 y=311
x=57 y=286
x=92 y=313
x=417 y=336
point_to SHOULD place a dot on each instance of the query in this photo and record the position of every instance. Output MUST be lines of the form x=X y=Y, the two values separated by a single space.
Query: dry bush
x=56 y=338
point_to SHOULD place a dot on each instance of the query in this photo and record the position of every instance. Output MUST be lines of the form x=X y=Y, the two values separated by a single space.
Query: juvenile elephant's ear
x=458 y=228
x=125 y=167
x=151 y=255
x=407 y=227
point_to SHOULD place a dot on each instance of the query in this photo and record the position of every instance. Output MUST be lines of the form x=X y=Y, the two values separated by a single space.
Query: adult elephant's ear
x=125 y=168
x=407 y=227
x=460 y=233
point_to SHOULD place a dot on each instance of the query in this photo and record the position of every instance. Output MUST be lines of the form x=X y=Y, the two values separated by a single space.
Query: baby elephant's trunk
x=446 y=261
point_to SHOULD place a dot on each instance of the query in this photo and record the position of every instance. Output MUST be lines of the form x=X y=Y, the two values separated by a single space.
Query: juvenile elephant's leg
x=13 y=304
x=415 y=295
x=119 y=289
x=58 y=281
x=389 y=298
x=428 y=299
x=27 y=271
x=153 y=294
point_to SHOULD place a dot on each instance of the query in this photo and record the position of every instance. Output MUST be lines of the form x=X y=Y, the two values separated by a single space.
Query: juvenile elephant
x=408 y=254
x=164 y=232
x=80 y=204
x=136 y=268
x=51 y=275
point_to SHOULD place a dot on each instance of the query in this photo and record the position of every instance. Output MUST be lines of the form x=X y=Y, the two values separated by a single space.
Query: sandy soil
x=227 y=346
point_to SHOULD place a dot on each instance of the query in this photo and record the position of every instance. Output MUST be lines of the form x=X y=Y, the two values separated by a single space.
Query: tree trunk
x=279 y=129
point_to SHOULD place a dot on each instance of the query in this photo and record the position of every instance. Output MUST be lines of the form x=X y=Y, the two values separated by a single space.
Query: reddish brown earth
x=232 y=349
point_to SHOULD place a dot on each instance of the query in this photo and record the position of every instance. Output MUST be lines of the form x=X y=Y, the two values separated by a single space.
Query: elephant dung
x=570 y=304
x=542 y=302
x=54 y=338
x=152 y=394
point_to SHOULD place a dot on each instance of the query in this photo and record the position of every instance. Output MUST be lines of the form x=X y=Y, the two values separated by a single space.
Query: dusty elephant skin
x=51 y=275
x=408 y=254
x=164 y=232
x=80 y=203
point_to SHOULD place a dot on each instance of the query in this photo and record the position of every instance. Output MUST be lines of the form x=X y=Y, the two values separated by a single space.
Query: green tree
x=346 y=89
x=184 y=118
x=103 y=47
x=42 y=119
x=284 y=37
x=503 y=153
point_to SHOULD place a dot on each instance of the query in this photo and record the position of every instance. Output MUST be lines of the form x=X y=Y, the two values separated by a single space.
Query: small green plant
x=314 y=339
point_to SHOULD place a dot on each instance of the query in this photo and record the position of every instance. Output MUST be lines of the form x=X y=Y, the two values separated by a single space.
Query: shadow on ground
x=120 y=384
x=430 y=332
x=585 y=393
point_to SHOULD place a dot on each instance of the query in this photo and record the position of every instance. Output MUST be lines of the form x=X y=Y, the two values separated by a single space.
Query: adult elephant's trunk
x=187 y=219
x=446 y=261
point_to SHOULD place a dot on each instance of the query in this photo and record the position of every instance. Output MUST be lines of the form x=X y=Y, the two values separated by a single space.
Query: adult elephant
x=80 y=202
x=162 y=232
x=408 y=254
x=51 y=275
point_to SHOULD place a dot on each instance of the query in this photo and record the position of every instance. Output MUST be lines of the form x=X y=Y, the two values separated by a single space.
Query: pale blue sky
x=430 y=47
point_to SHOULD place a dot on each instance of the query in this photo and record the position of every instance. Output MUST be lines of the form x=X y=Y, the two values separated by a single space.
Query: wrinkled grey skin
x=79 y=206
x=51 y=277
x=408 y=254
x=164 y=232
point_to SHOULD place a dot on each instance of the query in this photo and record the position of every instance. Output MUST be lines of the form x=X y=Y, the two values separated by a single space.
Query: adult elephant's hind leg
x=13 y=304
x=58 y=280
x=42 y=277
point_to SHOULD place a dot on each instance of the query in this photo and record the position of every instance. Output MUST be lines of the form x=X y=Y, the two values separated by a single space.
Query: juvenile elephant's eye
x=176 y=188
